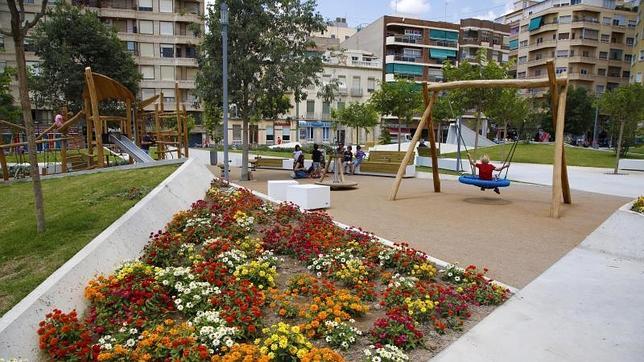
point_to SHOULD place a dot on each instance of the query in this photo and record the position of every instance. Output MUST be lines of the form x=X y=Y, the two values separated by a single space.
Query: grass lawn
x=55 y=156
x=77 y=208
x=540 y=153
x=440 y=170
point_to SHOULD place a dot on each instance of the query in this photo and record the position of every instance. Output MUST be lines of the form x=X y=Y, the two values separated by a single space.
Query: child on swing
x=486 y=169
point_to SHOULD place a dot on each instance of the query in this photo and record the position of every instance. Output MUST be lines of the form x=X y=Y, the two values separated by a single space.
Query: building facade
x=336 y=32
x=160 y=34
x=358 y=75
x=412 y=48
x=592 y=41
x=491 y=37
x=637 y=66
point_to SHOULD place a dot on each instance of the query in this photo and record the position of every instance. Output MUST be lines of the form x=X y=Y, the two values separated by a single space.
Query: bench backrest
x=388 y=156
x=268 y=162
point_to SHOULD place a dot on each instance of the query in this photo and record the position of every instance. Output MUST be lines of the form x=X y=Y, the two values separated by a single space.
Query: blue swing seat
x=486 y=184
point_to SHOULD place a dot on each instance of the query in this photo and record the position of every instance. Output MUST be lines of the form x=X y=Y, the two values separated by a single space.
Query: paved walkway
x=586 y=307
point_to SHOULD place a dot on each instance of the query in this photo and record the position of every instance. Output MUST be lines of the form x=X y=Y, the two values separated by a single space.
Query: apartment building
x=412 y=48
x=491 y=37
x=637 y=66
x=160 y=34
x=592 y=41
x=336 y=32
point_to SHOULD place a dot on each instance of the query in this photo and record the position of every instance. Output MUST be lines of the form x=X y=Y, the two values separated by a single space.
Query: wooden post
x=98 y=124
x=558 y=161
x=185 y=130
x=554 y=95
x=410 y=150
x=63 y=144
x=128 y=118
x=432 y=140
x=157 y=124
x=3 y=164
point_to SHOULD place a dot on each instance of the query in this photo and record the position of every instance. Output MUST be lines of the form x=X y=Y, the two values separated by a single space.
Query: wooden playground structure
x=169 y=128
x=558 y=90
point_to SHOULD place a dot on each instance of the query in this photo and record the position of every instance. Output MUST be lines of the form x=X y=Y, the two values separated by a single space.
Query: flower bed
x=638 y=205
x=236 y=278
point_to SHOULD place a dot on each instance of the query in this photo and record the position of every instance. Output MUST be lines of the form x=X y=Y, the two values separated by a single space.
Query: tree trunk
x=357 y=135
x=244 y=165
x=505 y=131
x=25 y=104
x=297 y=117
x=619 y=146
x=399 y=133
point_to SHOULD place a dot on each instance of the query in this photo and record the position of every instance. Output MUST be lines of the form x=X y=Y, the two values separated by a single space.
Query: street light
x=224 y=40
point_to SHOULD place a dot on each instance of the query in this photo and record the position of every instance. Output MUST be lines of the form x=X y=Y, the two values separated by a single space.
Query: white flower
x=180 y=307
x=130 y=342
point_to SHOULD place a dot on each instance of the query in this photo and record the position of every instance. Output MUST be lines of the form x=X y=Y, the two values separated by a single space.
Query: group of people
x=350 y=161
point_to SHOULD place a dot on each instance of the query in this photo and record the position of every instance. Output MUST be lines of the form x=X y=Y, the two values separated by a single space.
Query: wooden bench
x=383 y=163
x=271 y=163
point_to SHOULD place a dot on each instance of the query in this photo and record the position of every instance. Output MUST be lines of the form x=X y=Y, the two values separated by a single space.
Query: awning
x=408 y=69
x=535 y=23
x=443 y=35
x=442 y=53
x=514 y=44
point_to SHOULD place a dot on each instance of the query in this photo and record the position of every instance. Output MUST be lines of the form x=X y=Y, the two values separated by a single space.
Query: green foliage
x=400 y=99
x=212 y=118
x=385 y=137
x=268 y=40
x=8 y=110
x=580 y=111
x=67 y=41
x=357 y=115
x=512 y=109
x=329 y=91
x=624 y=105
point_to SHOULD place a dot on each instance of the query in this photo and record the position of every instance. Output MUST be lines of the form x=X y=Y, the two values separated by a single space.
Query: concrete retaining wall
x=628 y=164
x=123 y=240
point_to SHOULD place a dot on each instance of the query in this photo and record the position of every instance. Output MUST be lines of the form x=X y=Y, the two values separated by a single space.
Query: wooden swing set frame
x=558 y=90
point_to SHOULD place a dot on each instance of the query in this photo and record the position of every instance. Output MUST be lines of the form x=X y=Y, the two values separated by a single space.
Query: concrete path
x=586 y=307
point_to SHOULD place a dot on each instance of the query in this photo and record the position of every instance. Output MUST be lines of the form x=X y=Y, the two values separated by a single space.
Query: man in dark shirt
x=316 y=157
x=347 y=159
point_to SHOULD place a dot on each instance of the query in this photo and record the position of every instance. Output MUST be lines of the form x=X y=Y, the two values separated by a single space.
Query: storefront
x=315 y=132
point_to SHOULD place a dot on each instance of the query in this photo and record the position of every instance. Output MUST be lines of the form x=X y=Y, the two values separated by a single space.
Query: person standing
x=347 y=159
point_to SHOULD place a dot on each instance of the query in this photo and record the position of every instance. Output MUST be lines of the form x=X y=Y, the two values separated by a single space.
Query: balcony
x=584 y=41
x=543 y=44
x=367 y=63
x=403 y=39
x=583 y=77
x=546 y=27
x=343 y=91
x=536 y=62
x=357 y=92
x=582 y=59
x=393 y=58
x=444 y=43
x=586 y=22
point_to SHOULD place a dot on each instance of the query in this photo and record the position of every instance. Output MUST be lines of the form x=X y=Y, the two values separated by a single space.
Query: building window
x=340 y=105
x=167 y=72
x=147 y=93
x=146 y=27
x=325 y=133
x=310 y=108
x=641 y=54
x=603 y=55
x=626 y=74
x=583 y=71
x=524 y=28
x=146 y=50
x=286 y=134
x=564 y=36
x=131 y=46
x=147 y=71
x=638 y=77
x=537 y=72
x=326 y=108
x=628 y=58
x=270 y=136
x=166 y=28
x=237 y=133
x=521 y=75
x=523 y=59
x=607 y=20
x=167 y=50
x=561 y=70
x=599 y=88
x=1 y=42
x=342 y=82
x=523 y=44
x=145 y=5
x=562 y=53
x=566 y=19
x=165 y=6
x=630 y=41
x=168 y=95
x=3 y=65
x=371 y=84
x=605 y=38
x=601 y=71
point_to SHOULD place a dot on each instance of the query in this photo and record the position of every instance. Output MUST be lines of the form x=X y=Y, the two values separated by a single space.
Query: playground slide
x=130 y=148
x=468 y=136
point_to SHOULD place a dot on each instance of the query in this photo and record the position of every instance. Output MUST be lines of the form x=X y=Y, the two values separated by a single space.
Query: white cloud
x=490 y=15
x=410 y=7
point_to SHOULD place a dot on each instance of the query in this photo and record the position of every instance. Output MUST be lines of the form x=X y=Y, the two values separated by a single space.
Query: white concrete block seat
x=277 y=188
x=309 y=197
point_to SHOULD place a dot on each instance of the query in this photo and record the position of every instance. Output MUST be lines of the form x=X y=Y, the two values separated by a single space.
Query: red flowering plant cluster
x=397 y=329
x=64 y=337
x=212 y=279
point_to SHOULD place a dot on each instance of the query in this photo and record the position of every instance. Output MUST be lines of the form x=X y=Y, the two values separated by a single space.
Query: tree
x=268 y=43
x=401 y=99
x=580 y=111
x=212 y=117
x=8 y=110
x=68 y=41
x=511 y=109
x=19 y=28
x=625 y=106
x=479 y=99
x=357 y=115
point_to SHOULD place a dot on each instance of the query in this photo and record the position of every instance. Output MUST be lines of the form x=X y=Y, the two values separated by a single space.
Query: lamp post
x=224 y=40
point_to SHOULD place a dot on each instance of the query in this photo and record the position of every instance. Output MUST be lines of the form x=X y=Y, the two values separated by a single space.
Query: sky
x=362 y=12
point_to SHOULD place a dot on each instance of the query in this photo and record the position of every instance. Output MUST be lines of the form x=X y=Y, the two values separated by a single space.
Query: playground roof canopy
x=108 y=88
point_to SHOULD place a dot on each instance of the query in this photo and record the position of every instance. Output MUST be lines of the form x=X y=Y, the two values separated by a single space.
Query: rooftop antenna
x=445 y=16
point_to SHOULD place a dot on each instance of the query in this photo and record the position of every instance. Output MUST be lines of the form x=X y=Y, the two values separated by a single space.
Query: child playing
x=360 y=155
x=486 y=169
